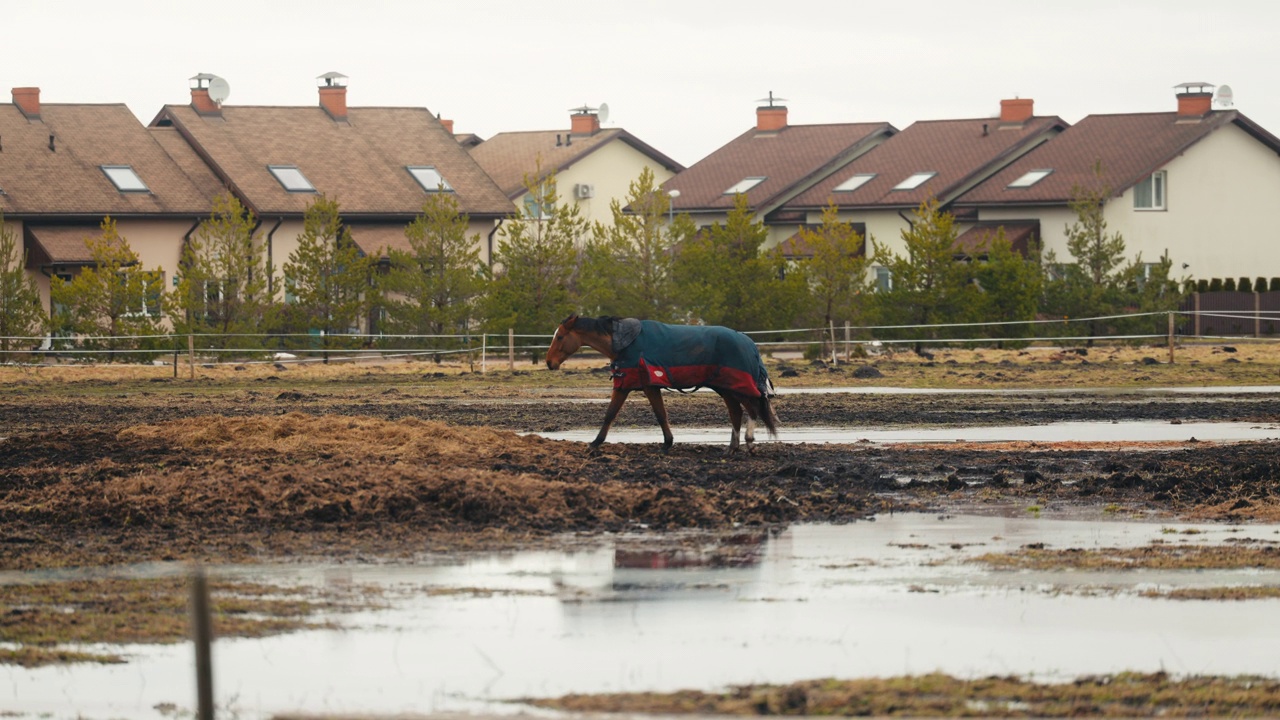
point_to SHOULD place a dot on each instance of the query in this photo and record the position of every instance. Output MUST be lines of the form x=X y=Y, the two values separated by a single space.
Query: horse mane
x=602 y=325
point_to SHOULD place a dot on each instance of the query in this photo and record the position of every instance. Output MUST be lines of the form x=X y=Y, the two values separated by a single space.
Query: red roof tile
x=376 y=240
x=1127 y=148
x=361 y=162
x=1020 y=233
x=958 y=151
x=68 y=180
x=61 y=244
x=788 y=159
x=508 y=156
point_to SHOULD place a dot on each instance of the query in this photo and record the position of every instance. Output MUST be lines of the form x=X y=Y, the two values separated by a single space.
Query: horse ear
x=569 y=321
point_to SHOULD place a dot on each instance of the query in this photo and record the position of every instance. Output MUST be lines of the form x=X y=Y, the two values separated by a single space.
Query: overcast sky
x=682 y=75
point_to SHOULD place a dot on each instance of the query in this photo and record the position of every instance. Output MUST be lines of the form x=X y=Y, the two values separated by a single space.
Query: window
x=125 y=179
x=148 y=301
x=429 y=178
x=744 y=185
x=1030 y=178
x=915 y=181
x=854 y=182
x=536 y=210
x=1149 y=194
x=291 y=178
x=884 y=279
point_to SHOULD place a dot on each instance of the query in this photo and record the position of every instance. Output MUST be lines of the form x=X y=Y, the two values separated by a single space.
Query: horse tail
x=767 y=415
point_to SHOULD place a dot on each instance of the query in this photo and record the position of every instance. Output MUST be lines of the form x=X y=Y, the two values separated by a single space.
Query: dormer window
x=125 y=179
x=915 y=181
x=429 y=178
x=744 y=185
x=1030 y=178
x=291 y=178
x=854 y=182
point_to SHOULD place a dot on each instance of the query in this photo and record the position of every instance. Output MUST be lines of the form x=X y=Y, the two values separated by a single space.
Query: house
x=593 y=166
x=64 y=167
x=1194 y=183
x=935 y=160
x=772 y=164
x=378 y=163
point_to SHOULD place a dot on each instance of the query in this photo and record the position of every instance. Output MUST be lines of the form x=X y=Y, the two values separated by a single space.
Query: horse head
x=564 y=342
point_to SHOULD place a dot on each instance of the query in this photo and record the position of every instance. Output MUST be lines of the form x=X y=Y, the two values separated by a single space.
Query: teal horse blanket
x=686 y=356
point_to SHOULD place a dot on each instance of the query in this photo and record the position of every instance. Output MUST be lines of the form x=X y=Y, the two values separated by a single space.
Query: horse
x=649 y=356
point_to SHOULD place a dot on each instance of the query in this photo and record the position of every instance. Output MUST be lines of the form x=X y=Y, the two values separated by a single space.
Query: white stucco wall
x=611 y=169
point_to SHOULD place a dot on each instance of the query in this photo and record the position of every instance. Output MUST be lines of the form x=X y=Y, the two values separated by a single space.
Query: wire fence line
x=485 y=349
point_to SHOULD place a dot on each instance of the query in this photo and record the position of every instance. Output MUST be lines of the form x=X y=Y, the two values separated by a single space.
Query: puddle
x=1135 y=431
x=813 y=601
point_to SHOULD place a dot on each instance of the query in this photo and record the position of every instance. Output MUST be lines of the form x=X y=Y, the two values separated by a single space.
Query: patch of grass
x=1120 y=695
x=31 y=657
x=1162 y=556
x=44 y=618
x=1234 y=592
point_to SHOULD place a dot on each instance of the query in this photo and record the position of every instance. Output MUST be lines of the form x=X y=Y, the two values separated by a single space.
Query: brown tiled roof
x=68 y=180
x=468 y=140
x=959 y=151
x=196 y=170
x=1128 y=148
x=788 y=159
x=361 y=163
x=375 y=240
x=53 y=244
x=796 y=248
x=1020 y=233
x=508 y=156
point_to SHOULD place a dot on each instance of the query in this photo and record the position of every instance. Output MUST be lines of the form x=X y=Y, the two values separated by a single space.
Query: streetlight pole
x=671 y=205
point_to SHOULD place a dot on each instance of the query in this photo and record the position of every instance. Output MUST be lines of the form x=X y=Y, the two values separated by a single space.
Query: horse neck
x=600 y=342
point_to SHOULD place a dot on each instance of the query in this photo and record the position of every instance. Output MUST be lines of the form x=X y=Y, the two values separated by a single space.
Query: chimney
x=1195 y=100
x=201 y=101
x=333 y=95
x=448 y=126
x=771 y=117
x=28 y=101
x=584 y=122
x=1016 y=111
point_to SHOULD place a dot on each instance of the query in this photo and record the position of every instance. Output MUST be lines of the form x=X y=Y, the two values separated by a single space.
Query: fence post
x=484 y=353
x=1170 y=337
x=202 y=635
x=848 y=346
x=191 y=354
x=1196 y=304
x=1257 y=315
x=511 y=349
x=831 y=326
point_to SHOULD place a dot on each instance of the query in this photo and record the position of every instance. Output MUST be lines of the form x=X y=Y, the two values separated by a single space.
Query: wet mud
x=126 y=472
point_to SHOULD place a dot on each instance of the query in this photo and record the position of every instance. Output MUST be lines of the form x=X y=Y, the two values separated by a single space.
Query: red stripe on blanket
x=686 y=376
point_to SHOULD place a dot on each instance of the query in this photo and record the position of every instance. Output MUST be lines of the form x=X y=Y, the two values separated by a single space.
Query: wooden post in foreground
x=831 y=326
x=484 y=353
x=1170 y=337
x=848 y=345
x=191 y=355
x=511 y=349
x=202 y=635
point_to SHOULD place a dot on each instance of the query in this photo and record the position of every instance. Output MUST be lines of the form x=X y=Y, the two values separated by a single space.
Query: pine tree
x=837 y=271
x=627 y=266
x=533 y=283
x=114 y=303
x=1011 y=285
x=327 y=277
x=21 y=316
x=222 y=287
x=433 y=289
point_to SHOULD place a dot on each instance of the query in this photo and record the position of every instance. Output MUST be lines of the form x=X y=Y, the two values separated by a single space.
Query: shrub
x=1215 y=285
x=1260 y=284
x=1229 y=285
x=1189 y=286
x=1202 y=285
x=1246 y=285
x=1275 y=284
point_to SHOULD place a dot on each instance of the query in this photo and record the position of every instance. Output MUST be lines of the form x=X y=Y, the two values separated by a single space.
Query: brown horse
x=650 y=356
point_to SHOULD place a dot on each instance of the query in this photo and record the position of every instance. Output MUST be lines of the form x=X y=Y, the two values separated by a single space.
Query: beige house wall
x=611 y=169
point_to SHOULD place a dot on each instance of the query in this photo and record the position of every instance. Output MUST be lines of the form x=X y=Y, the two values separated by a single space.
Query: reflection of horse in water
x=650 y=355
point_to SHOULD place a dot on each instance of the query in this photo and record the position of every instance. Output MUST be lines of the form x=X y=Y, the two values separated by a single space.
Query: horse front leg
x=735 y=417
x=615 y=404
x=660 y=411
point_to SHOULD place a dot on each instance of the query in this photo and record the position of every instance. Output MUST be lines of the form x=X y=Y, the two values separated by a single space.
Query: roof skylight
x=429 y=178
x=124 y=178
x=744 y=185
x=915 y=181
x=854 y=182
x=1030 y=178
x=291 y=178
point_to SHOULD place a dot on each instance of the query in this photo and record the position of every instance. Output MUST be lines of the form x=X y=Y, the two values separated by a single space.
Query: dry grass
x=1154 y=556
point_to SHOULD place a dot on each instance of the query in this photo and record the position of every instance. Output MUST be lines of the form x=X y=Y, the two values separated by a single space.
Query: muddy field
x=263 y=462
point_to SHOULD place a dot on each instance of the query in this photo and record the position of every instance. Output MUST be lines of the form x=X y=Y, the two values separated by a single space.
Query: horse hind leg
x=751 y=423
x=735 y=417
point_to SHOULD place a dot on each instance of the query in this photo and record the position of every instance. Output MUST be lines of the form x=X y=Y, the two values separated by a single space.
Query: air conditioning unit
x=584 y=191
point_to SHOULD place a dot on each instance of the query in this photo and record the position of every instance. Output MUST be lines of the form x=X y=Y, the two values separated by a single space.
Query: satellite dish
x=1225 y=97
x=603 y=112
x=219 y=90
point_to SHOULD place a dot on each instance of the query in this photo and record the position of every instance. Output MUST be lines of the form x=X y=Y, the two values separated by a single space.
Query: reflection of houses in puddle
x=738 y=550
